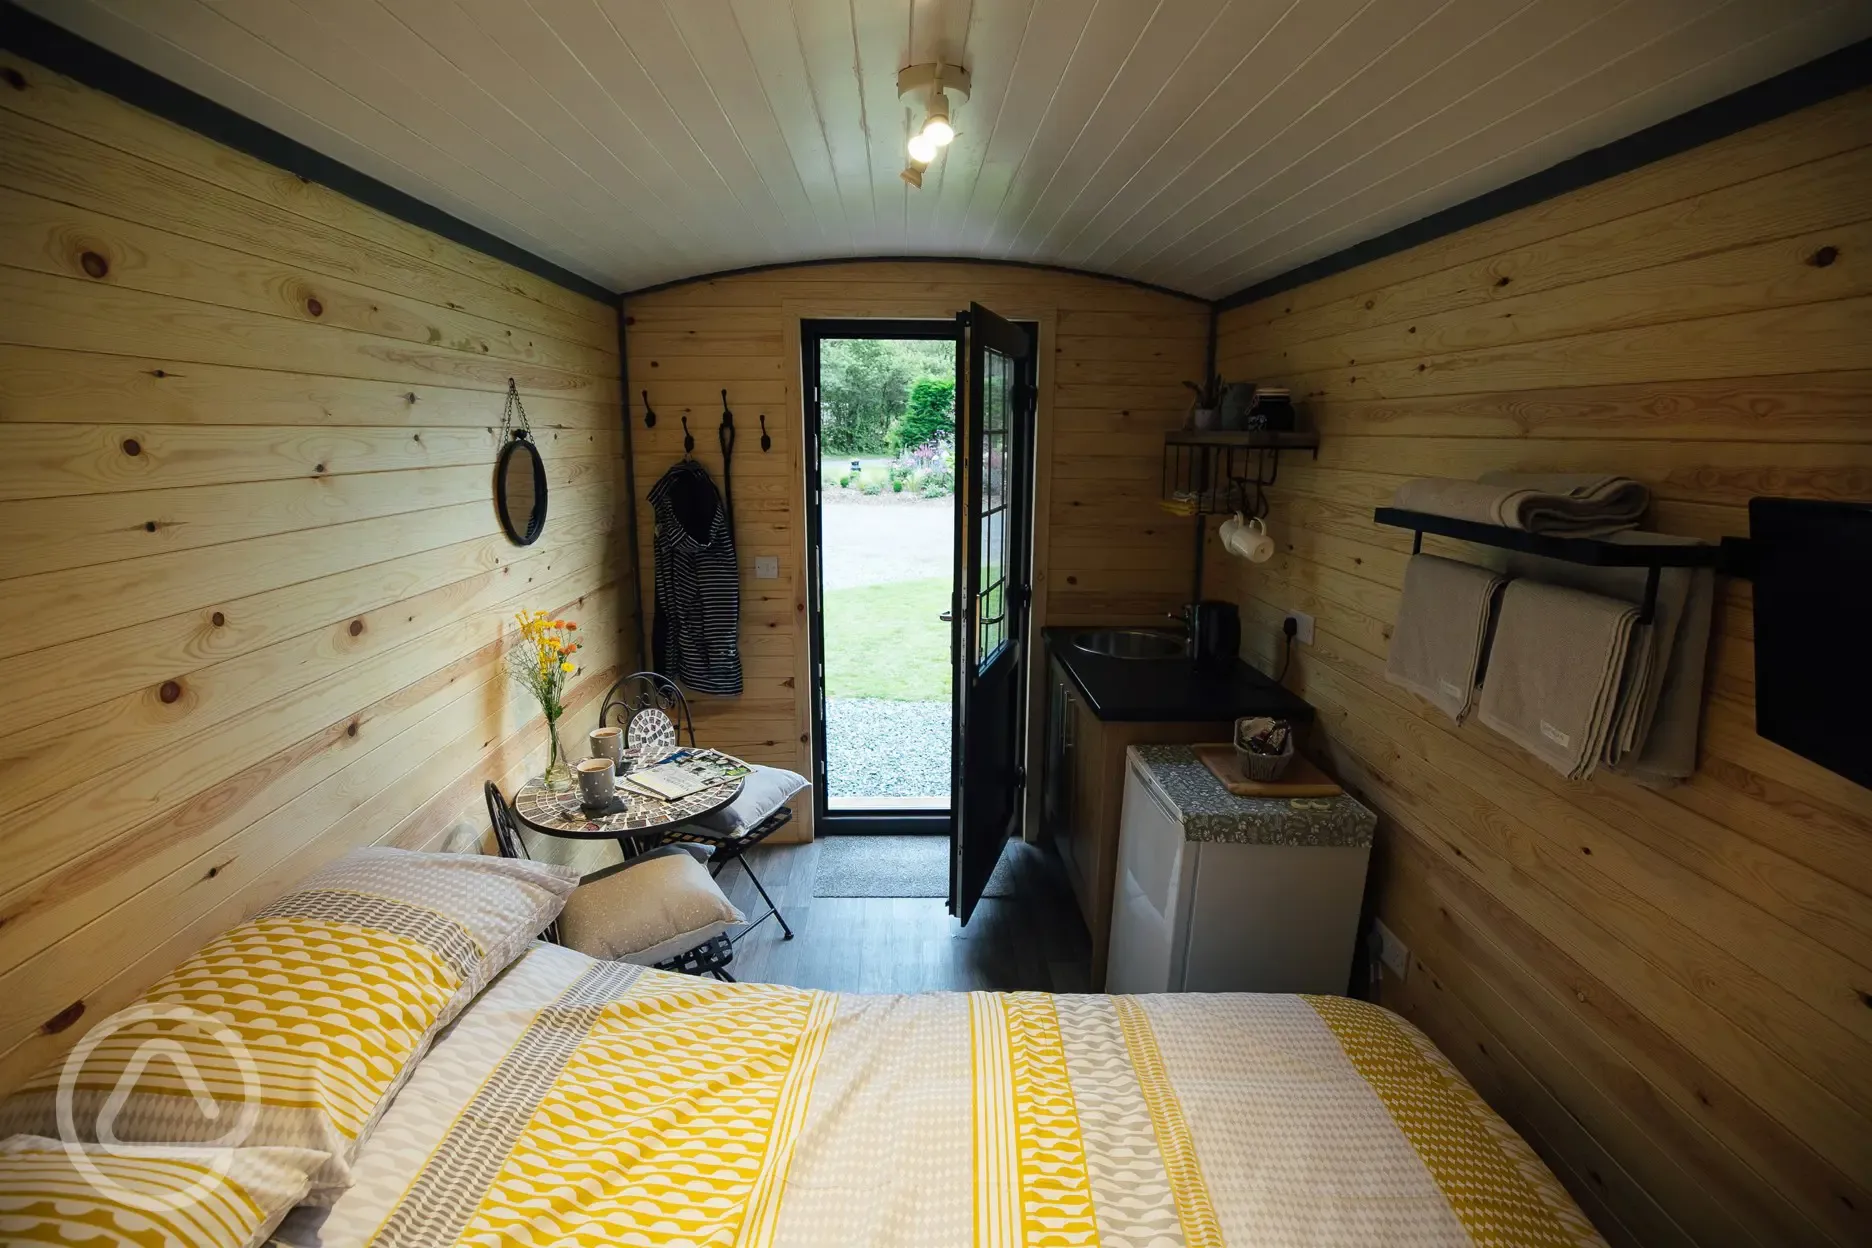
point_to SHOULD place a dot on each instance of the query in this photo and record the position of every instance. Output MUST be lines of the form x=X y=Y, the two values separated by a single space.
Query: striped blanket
x=587 y=1103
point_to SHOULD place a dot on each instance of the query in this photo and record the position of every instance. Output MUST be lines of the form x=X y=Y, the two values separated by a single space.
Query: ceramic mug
x=1253 y=543
x=597 y=781
x=608 y=743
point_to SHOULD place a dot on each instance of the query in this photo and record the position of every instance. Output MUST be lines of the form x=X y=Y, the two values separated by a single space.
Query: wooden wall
x=252 y=592
x=1113 y=357
x=1667 y=992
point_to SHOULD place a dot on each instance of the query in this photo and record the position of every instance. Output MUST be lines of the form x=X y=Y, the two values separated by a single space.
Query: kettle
x=1214 y=630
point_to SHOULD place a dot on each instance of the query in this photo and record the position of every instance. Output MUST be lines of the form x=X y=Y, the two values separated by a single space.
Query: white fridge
x=1199 y=915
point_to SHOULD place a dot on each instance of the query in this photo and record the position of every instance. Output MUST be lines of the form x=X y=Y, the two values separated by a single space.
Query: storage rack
x=1731 y=557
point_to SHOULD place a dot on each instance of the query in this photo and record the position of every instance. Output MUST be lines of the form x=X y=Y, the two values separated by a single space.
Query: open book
x=685 y=772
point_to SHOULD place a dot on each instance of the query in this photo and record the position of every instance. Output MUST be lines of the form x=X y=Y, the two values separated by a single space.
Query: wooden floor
x=1033 y=939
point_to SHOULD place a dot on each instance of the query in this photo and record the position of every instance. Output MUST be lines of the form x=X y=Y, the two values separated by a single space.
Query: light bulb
x=922 y=148
x=938 y=131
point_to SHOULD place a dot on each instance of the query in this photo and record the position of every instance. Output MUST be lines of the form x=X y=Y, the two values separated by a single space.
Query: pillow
x=296 y=1028
x=765 y=790
x=655 y=907
x=144 y=1195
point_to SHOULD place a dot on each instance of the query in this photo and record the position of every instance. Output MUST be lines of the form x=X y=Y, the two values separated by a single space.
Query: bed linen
x=588 y=1103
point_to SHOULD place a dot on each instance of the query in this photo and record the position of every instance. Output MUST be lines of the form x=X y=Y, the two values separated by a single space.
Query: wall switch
x=1392 y=951
x=766 y=567
x=1304 y=633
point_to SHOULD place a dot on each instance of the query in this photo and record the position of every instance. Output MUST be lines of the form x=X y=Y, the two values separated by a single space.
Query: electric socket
x=1392 y=951
x=1303 y=627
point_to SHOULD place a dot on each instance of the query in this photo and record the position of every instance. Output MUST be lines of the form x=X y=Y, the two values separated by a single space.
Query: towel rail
x=1730 y=557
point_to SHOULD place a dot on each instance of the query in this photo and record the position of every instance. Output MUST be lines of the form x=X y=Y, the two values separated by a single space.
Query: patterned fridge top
x=1210 y=812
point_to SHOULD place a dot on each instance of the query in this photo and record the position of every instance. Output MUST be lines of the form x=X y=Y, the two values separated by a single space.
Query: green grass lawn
x=884 y=641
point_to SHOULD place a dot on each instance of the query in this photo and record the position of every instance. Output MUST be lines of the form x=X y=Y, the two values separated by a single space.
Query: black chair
x=652 y=710
x=709 y=958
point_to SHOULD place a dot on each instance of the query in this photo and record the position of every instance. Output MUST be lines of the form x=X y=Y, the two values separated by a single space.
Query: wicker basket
x=1261 y=767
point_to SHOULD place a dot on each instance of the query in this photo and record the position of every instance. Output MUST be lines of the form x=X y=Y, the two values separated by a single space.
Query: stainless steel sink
x=1131 y=643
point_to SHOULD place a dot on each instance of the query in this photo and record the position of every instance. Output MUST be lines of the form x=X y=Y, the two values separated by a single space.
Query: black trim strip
x=832 y=260
x=57 y=49
x=1819 y=80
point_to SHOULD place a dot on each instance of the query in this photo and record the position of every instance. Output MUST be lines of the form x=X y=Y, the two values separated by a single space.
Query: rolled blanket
x=1559 y=503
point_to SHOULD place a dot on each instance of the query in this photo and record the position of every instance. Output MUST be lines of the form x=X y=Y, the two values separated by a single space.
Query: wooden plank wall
x=1113 y=357
x=1667 y=992
x=252 y=592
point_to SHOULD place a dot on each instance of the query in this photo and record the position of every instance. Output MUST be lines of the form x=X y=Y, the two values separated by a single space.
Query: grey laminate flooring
x=1033 y=939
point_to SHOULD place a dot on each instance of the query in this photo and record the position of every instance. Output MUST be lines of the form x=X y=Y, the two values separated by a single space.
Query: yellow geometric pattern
x=673 y=1123
x=328 y=1014
x=1195 y=1210
x=1499 y=1192
x=1055 y=1189
x=142 y=1198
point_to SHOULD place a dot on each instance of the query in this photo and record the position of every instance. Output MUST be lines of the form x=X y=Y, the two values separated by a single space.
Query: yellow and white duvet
x=586 y=1103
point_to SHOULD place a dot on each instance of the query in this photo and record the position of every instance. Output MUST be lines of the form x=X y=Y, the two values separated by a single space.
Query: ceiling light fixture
x=937 y=81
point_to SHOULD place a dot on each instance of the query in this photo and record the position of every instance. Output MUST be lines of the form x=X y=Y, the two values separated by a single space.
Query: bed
x=582 y=1102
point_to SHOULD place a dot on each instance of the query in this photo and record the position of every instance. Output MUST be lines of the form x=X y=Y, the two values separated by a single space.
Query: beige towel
x=1442 y=624
x=1563 y=504
x=1663 y=712
x=1554 y=673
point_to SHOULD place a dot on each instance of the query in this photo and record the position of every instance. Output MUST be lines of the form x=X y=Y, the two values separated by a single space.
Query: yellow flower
x=567 y=668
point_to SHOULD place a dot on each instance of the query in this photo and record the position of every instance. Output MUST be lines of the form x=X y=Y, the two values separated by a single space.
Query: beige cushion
x=651 y=910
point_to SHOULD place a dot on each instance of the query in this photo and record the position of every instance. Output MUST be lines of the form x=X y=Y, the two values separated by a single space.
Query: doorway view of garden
x=887 y=552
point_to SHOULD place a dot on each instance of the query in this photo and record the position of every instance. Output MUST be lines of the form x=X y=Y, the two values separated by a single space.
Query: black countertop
x=1170 y=690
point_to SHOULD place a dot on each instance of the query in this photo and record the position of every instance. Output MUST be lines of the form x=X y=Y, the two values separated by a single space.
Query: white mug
x=1253 y=543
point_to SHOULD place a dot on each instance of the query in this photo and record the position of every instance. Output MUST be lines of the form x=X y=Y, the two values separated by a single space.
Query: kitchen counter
x=1170 y=690
x=1209 y=812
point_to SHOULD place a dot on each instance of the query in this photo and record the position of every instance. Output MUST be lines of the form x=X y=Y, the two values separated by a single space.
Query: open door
x=994 y=456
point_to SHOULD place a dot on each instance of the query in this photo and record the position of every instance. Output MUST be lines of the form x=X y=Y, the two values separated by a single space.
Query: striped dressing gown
x=696 y=637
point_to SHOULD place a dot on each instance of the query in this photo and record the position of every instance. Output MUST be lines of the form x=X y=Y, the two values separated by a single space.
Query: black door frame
x=813 y=331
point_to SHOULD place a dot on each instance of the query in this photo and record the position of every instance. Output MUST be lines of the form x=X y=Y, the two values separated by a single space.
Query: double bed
x=583 y=1102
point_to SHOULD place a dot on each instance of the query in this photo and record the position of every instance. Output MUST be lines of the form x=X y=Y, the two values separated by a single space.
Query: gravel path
x=876 y=748
x=870 y=542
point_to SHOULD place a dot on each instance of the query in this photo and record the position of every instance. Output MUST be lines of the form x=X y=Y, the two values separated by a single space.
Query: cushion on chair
x=765 y=790
x=656 y=907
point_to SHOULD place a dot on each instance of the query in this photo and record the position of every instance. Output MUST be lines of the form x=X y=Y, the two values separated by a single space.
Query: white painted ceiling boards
x=1197 y=144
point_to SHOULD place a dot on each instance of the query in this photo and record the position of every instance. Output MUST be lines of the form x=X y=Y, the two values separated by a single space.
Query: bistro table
x=635 y=821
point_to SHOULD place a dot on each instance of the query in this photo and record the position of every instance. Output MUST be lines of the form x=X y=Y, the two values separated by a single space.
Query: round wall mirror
x=520 y=490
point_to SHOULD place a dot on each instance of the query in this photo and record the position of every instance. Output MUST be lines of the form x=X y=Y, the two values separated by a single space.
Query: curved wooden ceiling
x=1198 y=144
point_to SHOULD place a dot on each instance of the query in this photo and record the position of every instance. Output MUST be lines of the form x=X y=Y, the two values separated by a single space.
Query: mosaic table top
x=1209 y=812
x=561 y=814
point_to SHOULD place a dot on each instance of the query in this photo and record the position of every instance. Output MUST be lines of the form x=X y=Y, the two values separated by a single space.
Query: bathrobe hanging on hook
x=696 y=634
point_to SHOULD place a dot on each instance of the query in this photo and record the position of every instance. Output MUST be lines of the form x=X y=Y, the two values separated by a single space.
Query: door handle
x=946 y=617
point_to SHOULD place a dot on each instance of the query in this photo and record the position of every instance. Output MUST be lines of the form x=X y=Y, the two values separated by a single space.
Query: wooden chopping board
x=1303 y=779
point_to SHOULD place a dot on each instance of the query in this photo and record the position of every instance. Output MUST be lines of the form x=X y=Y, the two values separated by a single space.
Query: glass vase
x=558 y=775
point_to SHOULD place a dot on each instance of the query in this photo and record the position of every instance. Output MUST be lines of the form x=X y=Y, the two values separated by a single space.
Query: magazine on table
x=684 y=772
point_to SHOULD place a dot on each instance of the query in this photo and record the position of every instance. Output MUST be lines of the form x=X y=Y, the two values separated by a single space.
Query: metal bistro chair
x=654 y=713
x=711 y=957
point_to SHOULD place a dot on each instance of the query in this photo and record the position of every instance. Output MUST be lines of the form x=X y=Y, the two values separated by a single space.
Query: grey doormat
x=894 y=866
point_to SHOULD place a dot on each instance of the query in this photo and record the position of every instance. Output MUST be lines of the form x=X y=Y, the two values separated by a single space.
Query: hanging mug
x=1253 y=543
x=1229 y=532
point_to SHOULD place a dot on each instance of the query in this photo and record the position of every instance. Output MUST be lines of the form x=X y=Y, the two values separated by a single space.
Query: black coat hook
x=649 y=412
x=727 y=431
x=688 y=439
x=766 y=443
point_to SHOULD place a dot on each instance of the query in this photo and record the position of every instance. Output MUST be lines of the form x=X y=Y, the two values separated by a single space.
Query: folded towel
x=1555 y=671
x=1662 y=712
x=1442 y=624
x=1564 y=504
